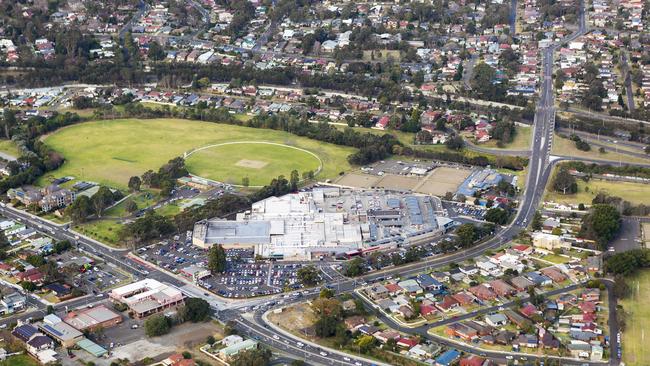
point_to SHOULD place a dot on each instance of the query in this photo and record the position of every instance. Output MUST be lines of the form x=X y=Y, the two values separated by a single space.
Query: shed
x=91 y=347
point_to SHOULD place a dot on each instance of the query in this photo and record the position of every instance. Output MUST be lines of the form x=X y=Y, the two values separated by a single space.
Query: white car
x=300 y=344
x=275 y=336
x=324 y=354
x=346 y=358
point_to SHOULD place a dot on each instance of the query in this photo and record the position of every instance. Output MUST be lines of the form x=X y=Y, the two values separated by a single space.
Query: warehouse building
x=93 y=318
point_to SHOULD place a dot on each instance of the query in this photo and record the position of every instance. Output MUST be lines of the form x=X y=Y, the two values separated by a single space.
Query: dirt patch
x=358 y=180
x=252 y=164
x=398 y=182
x=298 y=319
x=442 y=180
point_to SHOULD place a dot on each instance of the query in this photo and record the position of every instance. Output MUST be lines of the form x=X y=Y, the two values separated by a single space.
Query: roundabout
x=259 y=161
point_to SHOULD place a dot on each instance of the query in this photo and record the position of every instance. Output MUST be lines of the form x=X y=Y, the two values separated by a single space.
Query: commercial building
x=60 y=331
x=147 y=297
x=93 y=318
x=479 y=181
x=325 y=221
x=230 y=351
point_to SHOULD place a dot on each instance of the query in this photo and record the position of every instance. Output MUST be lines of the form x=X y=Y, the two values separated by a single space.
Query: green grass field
x=142 y=199
x=106 y=231
x=109 y=152
x=231 y=163
x=520 y=142
x=566 y=147
x=9 y=147
x=637 y=320
x=19 y=360
x=636 y=193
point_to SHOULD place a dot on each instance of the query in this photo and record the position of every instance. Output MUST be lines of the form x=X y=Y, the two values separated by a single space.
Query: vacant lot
x=636 y=193
x=109 y=152
x=260 y=162
x=358 y=180
x=398 y=182
x=637 y=320
x=297 y=319
x=442 y=180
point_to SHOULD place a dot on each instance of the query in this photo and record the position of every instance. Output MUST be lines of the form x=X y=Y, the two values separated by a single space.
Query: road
x=142 y=8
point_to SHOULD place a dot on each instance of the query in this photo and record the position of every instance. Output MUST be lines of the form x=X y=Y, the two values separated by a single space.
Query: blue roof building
x=447 y=358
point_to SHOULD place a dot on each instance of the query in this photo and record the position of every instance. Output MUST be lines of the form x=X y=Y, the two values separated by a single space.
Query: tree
x=80 y=209
x=601 y=224
x=308 y=275
x=28 y=286
x=245 y=181
x=497 y=215
x=252 y=357
x=564 y=182
x=156 y=325
x=294 y=179
x=134 y=183
x=217 y=259
x=536 y=222
x=326 y=293
x=155 y=52
x=466 y=234
x=195 y=310
x=455 y=142
x=102 y=199
x=8 y=121
x=130 y=206
x=355 y=267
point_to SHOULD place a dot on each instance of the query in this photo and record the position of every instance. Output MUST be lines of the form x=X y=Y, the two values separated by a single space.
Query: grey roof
x=231 y=232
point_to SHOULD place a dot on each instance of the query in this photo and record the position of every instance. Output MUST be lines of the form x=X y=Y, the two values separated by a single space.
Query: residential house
x=39 y=343
x=527 y=341
x=520 y=321
x=447 y=304
x=429 y=283
x=385 y=335
x=407 y=343
x=538 y=279
x=554 y=274
x=354 y=322
x=483 y=292
x=591 y=294
x=521 y=283
x=472 y=360
x=463 y=298
x=496 y=320
x=501 y=288
x=447 y=358
x=410 y=287
x=378 y=292
x=12 y=302
x=462 y=331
